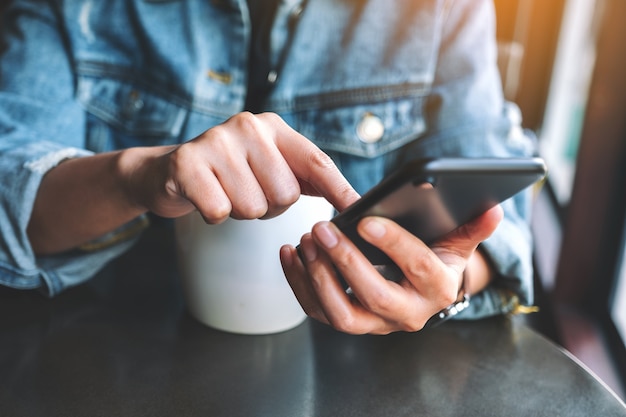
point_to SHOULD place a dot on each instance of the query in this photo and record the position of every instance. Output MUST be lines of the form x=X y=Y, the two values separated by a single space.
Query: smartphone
x=432 y=197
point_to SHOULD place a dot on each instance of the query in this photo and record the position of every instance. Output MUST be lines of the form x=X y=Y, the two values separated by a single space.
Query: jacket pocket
x=134 y=115
x=366 y=122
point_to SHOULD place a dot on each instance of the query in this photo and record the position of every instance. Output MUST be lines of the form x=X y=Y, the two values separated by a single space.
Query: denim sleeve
x=40 y=125
x=467 y=116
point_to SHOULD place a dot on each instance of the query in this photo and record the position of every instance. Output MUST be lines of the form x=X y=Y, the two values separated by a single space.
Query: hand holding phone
x=432 y=197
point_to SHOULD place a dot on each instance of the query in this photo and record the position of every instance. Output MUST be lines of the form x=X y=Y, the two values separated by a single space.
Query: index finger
x=315 y=170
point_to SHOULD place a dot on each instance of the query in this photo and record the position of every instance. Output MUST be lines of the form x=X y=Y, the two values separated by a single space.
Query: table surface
x=123 y=345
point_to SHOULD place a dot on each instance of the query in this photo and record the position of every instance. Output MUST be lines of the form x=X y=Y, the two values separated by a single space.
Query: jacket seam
x=361 y=96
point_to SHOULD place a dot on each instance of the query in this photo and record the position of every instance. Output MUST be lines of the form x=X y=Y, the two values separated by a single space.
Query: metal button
x=297 y=11
x=370 y=129
x=272 y=76
x=133 y=103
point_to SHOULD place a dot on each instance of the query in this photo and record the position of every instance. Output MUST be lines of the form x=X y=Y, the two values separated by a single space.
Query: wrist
x=137 y=175
x=475 y=277
x=461 y=303
x=478 y=271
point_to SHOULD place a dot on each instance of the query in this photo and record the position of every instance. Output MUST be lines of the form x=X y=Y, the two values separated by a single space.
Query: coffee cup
x=231 y=275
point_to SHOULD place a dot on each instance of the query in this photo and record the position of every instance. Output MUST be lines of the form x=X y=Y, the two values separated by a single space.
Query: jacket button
x=370 y=128
x=297 y=11
x=272 y=76
x=133 y=103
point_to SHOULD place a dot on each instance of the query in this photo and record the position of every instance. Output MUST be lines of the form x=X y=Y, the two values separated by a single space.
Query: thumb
x=457 y=246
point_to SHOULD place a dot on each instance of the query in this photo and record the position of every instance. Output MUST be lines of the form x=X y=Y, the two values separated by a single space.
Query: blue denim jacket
x=373 y=84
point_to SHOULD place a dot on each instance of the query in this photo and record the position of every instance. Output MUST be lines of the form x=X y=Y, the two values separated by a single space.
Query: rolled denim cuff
x=22 y=168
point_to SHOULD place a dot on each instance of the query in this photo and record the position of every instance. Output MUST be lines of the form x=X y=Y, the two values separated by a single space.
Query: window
x=568 y=92
x=618 y=301
x=583 y=139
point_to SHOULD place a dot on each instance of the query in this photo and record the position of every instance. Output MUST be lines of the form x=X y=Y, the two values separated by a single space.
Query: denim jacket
x=373 y=84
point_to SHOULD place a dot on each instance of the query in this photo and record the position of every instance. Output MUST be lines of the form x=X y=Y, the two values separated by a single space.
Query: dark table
x=123 y=345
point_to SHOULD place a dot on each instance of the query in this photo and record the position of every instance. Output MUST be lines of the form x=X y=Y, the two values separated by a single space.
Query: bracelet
x=461 y=303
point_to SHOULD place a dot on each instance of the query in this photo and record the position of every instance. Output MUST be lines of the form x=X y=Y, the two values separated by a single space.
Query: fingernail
x=286 y=256
x=309 y=249
x=374 y=228
x=326 y=235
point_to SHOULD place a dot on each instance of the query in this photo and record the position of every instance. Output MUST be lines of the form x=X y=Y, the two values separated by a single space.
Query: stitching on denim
x=361 y=95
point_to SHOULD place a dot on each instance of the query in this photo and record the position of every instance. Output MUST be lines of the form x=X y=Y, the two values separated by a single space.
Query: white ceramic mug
x=231 y=274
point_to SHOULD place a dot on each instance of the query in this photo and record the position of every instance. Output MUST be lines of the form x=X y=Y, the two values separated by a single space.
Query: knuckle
x=346 y=323
x=380 y=302
x=270 y=117
x=292 y=195
x=416 y=269
x=345 y=259
x=216 y=135
x=320 y=160
x=216 y=215
x=248 y=122
x=217 y=211
x=182 y=157
x=251 y=210
x=286 y=197
x=283 y=192
x=256 y=212
x=347 y=193
x=244 y=118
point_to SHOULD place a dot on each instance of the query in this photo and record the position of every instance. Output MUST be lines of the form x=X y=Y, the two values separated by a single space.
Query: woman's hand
x=251 y=166
x=432 y=275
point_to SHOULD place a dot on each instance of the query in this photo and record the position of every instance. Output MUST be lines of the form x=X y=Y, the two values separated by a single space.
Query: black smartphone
x=432 y=197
